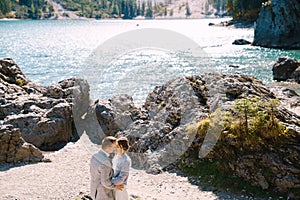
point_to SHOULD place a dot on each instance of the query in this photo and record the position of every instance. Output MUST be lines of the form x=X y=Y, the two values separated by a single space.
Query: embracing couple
x=109 y=177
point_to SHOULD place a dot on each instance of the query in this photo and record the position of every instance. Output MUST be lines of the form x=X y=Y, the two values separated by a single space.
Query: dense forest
x=244 y=9
x=126 y=9
x=24 y=9
x=99 y=9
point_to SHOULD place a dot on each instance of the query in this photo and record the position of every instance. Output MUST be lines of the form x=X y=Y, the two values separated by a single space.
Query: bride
x=121 y=164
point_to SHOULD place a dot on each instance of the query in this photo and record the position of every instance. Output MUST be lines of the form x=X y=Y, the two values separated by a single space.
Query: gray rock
x=160 y=133
x=116 y=114
x=234 y=66
x=296 y=75
x=106 y=117
x=256 y=169
x=174 y=107
x=14 y=149
x=278 y=25
x=245 y=168
x=11 y=73
x=241 y=42
x=43 y=115
x=288 y=97
x=286 y=68
x=157 y=142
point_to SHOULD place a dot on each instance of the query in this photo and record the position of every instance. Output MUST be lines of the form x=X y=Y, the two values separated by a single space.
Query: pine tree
x=149 y=10
x=188 y=10
x=116 y=11
x=244 y=9
x=143 y=9
x=132 y=8
x=32 y=9
x=171 y=12
x=138 y=10
x=125 y=9
x=5 y=6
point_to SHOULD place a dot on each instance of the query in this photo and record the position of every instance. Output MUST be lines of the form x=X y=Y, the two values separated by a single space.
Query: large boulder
x=11 y=73
x=286 y=68
x=166 y=133
x=278 y=25
x=42 y=114
x=44 y=127
x=14 y=149
x=288 y=97
x=115 y=114
x=162 y=138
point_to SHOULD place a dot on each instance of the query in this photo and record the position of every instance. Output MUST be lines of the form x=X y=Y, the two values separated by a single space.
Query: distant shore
x=136 y=18
x=234 y=23
x=61 y=17
x=8 y=19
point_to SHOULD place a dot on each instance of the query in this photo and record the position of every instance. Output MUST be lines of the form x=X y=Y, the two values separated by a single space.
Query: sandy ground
x=67 y=177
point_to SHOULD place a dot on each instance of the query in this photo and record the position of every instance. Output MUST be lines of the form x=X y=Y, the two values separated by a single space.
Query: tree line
x=23 y=9
x=244 y=9
x=126 y=9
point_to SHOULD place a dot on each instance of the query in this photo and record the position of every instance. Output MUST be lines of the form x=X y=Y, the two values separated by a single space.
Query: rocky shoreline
x=162 y=132
x=41 y=116
x=234 y=23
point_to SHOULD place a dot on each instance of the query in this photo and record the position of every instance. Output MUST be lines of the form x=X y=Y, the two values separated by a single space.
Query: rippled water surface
x=49 y=51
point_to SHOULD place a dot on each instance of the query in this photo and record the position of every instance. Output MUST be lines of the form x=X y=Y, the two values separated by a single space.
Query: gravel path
x=61 y=13
x=67 y=177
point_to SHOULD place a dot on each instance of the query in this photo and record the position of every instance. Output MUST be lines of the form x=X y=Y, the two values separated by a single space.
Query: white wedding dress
x=121 y=166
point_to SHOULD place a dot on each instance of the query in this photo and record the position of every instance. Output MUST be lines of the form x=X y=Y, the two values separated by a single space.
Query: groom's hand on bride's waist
x=120 y=187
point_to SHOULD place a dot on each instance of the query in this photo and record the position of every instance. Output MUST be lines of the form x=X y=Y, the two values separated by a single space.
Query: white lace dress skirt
x=122 y=194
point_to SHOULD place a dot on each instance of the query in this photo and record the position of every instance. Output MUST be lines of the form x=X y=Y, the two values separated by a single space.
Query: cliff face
x=278 y=25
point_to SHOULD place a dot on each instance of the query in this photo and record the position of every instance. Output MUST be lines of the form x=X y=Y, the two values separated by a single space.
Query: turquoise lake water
x=49 y=51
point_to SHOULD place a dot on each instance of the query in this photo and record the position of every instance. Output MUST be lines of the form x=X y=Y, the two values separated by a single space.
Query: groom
x=102 y=172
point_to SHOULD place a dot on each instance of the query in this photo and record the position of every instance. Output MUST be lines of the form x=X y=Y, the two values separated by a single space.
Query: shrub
x=20 y=82
x=249 y=124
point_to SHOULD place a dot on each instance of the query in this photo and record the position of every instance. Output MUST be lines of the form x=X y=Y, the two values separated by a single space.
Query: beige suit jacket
x=101 y=173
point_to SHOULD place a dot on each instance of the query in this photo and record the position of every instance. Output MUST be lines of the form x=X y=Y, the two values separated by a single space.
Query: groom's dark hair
x=108 y=141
